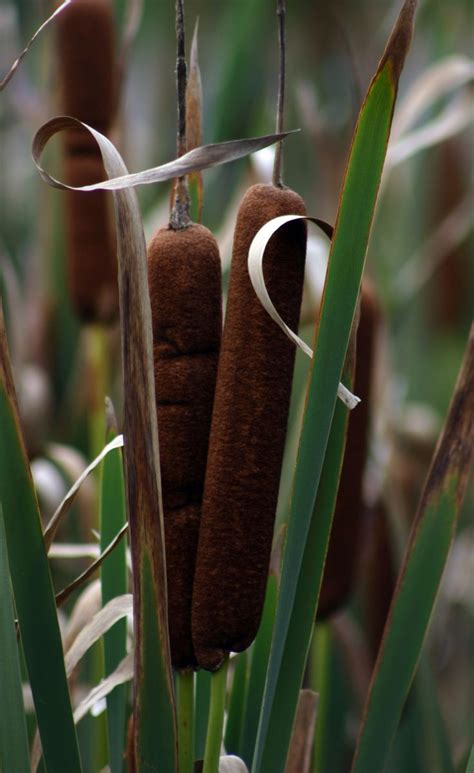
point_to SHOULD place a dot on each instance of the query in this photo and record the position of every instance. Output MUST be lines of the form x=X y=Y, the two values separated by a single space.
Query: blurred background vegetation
x=332 y=51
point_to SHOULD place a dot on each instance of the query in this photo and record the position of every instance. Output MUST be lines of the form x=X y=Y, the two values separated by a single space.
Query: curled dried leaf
x=255 y=265
x=194 y=161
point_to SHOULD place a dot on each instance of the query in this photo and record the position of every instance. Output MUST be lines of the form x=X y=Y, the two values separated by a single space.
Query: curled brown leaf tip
x=400 y=39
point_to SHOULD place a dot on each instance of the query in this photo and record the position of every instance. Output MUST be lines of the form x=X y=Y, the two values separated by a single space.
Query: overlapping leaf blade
x=420 y=576
x=32 y=587
x=346 y=261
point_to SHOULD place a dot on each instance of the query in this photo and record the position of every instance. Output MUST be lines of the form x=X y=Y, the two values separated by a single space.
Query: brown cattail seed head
x=88 y=91
x=248 y=432
x=88 y=72
x=184 y=273
x=92 y=260
x=349 y=513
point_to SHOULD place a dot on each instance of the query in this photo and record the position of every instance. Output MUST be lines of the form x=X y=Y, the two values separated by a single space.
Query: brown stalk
x=179 y=217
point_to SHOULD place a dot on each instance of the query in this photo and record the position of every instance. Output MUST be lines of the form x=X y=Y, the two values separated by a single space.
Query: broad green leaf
x=346 y=262
x=114 y=583
x=420 y=575
x=14 y=753
x=304 y=611
x=32 y=587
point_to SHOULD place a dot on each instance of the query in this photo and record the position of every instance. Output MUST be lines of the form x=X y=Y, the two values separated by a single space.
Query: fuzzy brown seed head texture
x=88 y=91
x=247 y=433
x=341 y=560
x=184 y=274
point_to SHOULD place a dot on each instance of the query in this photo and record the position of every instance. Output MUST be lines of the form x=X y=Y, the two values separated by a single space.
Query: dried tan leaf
x=255 y=267
x=11 y=72
x=115 y=610
x=301 y=745
x=123 y=673
x=63 y=595
x=194 y=97
x=194 y=161
x=62 y=509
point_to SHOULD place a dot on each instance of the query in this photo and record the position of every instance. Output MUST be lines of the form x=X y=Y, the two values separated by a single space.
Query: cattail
x=349 y=513
x=184 y=274
x=88 y=91
x=248 y=432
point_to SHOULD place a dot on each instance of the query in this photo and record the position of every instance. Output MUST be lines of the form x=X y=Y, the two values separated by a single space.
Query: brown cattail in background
x=248 y=432
x=88 y=91
x=185 y=293
x=341 y=561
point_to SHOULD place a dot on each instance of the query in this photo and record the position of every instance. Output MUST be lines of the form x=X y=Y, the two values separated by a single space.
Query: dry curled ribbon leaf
x=194 y=161
x=255 y=265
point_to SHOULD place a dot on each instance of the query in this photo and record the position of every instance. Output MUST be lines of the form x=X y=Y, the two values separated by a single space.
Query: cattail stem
x=216 y=719
x=281 y=14
x=320 y=665
x=180 y=217
x=185 y=710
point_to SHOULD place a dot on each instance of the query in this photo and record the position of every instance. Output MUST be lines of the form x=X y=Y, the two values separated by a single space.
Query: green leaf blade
x=32 y=586
x=345 y=267
x=114 y=583
x=420 y=577
x=13 y=736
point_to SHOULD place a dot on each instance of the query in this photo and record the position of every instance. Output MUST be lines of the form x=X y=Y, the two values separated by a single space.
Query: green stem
x=97 y=361
x=216 y=720
x=320 y=668
x=185 y=709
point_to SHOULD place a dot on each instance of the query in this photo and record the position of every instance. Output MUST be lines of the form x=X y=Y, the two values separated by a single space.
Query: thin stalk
x=320 y=670
x=97 y=362
x=277 y=164
x=179 y=217
x=185 y=710
x=216 y=719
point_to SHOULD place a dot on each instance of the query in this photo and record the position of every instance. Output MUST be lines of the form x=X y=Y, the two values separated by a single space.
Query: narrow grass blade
x=236 y=710
x=14 y=754
x=216 y=719
x=114 y=583
x=185 y=710
x=470 y=762
x=63 y=595
x=11 y=72
x=63 y=507
x=201 y=712
x=295 y=653
x=299 y=756
x=346 y=261
x=420 y=575
x=258 y=670
x=123 y=673
x=154 y=705
x=32 y=587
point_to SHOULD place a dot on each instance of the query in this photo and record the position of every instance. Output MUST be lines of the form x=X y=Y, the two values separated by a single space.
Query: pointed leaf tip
x=400 y=39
